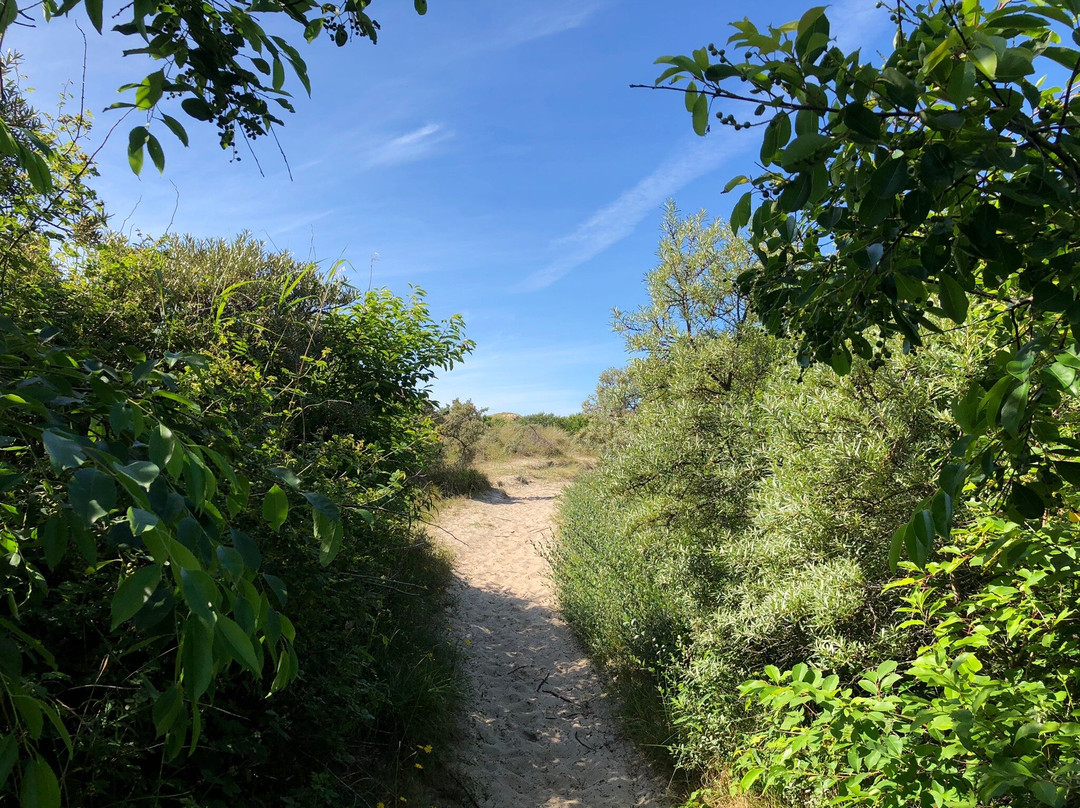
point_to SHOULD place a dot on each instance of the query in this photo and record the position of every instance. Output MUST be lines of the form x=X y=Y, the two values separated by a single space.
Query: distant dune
x=506 y=416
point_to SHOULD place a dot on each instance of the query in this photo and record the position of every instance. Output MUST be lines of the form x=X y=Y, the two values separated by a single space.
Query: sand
x=540 y=728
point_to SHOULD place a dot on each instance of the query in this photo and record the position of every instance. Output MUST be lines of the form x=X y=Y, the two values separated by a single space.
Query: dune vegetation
x=824 y=528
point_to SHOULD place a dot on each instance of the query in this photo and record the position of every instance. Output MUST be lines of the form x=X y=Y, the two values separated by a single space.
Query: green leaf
x=1027 y=502
x=953 y=299
x=9 y=756
x=149 y=92
x=899 y=540
x=899 y=88
x=952 y=478
x=1015 y=63
x=690 y=97
x=153 y=148
x=420 y=6
x=143 y=472
x=275 y=507
x=1068 y=471
x=63 y=451
x=197 y=659
x=248 y=549
x=37 y=170
x=141 y=521
x=941 y=507
x=889 y=178
x=921 y=537
x=9 y=12
x=701 y=114
x=239 y=644
x=161 y=446
x=167 y=709
x=1048 y=793
x=740 y=214
x=1020 y=367
x=965 y=411
x=742 y=179
x=796 y=193
x=323 y=505
x=841 y=362
x=94 y=13
x=136 y=143
x=328 y=532
x=40 y=788
x=909 y=288
x=1012 y=410
x=802 y=149
x=54 y=539
x=862 y=121
x=986 y=60
x=133 y=593
x=284 y=672
x=286 y=476
x=92 y=494
x=277 y=586
x=200 y=593
x=177 y=128
x=750 y=778
x=197 y=108
x=278 y=80
x=811 y=34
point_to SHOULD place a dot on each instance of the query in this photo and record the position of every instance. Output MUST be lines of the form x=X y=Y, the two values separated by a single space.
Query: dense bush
x=567 y=423
x=212 y=471
x=741 y=519
x=906 y=195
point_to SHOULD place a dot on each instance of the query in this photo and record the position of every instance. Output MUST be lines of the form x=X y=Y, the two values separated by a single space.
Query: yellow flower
x=427 y=749
x=417 y=765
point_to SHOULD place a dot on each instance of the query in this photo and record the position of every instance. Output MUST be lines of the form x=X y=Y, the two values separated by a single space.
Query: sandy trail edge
x=539 y=731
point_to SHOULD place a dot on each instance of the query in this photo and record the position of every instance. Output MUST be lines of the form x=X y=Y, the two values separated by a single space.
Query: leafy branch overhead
x=901 y=199
x=217 y=61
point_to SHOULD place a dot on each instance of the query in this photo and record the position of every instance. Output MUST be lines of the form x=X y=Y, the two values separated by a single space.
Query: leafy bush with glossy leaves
x=161 y=577
x=741 y=519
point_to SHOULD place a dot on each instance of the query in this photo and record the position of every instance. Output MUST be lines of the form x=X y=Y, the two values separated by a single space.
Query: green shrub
x=504 y=439
x=740 y=519
x=261 y=426
x=567 y=423
x=983 y=713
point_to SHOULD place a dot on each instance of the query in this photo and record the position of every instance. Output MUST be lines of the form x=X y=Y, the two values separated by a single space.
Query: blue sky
x=490 y=152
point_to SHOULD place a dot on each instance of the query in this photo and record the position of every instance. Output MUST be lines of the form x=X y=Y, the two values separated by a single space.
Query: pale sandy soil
x=539 y=730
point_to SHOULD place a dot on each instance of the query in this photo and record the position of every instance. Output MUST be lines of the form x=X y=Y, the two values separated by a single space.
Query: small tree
x=692 y=290
x=903 y=198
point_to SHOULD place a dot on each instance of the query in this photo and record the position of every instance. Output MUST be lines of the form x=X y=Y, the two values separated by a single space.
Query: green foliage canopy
x=896 y=194
x=932 y=193
x=216 y=58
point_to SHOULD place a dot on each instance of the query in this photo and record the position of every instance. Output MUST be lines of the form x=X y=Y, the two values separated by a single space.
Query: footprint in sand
x=540 y=731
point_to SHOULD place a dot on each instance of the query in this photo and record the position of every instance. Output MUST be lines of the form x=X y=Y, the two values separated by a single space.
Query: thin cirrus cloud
x=554 y=18
x=857 y=23
x=416 y=145
x=617 y=220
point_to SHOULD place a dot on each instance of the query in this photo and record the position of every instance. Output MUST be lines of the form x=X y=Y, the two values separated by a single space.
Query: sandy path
x=539 y=731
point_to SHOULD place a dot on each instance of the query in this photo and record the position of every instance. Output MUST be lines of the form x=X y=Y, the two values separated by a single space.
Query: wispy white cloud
x=515 y=24
x=407 y=148
x=617 y=220
x=546 y=20
x=858 y=24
